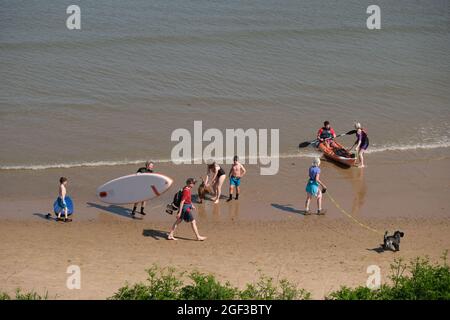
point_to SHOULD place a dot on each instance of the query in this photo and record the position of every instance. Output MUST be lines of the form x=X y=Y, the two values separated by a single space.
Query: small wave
x=308 y=154
x=408 y=147
x=131 y=162
x=72 y=165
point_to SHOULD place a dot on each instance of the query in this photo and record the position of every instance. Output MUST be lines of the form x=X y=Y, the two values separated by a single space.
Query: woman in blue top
x=313 y=187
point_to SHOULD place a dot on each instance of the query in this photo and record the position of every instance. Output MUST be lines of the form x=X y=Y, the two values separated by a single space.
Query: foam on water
x=308 y=154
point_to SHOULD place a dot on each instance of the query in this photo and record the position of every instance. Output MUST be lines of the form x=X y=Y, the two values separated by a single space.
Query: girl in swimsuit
x=217 y=179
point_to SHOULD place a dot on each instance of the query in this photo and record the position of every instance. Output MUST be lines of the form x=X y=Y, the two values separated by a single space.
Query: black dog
x=392 y=242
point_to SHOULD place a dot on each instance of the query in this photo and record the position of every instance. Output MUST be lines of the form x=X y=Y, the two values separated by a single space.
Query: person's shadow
x=158 y=234
x=45 y=216
x=288 y=208
x=118 y=210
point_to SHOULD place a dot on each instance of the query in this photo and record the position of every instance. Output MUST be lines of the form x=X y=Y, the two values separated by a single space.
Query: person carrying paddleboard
x=147 y=169
x=313 y=188
x=326 y=133
x=185 y=211
x=361 y=143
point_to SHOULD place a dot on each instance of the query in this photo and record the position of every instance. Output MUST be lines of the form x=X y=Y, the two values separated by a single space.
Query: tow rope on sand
x=350 y=216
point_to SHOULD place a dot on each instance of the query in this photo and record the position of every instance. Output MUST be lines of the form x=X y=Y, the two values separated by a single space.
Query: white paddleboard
x=134 y=188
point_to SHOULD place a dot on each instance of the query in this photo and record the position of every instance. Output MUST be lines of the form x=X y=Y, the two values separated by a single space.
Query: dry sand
x=262 y=232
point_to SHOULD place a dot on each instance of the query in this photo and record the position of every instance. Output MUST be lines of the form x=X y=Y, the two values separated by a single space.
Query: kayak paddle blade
x=304 y=144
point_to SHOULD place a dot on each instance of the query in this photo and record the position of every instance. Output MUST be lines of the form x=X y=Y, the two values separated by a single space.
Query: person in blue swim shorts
x=313 y=187
x=61 y=199
x=237 y=171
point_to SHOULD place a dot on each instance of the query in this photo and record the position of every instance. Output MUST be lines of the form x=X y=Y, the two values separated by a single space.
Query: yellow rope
x=350 y=216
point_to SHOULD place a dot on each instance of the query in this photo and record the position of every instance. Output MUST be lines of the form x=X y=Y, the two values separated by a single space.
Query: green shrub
x=291 y=292
x=265 y=289
x=4 y=296
x=23 y=296
x=30 y=295
x=425 y=281
x=206 y=287
x=162 y=284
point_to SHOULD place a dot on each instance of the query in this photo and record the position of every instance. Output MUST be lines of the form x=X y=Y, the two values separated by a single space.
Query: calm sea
x=114 y=91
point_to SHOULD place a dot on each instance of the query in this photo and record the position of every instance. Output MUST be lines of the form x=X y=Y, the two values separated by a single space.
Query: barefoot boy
x=237 y=171
x=185 y=212
x=62 y=199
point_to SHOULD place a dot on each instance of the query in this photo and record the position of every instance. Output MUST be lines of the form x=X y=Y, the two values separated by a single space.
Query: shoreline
x=283 y=155
x=263 y=232
x=392 y=185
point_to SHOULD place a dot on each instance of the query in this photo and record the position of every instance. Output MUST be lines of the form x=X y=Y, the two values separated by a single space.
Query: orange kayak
x=336 y=152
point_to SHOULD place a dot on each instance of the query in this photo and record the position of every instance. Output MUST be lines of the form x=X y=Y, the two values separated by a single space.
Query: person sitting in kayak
x=362 y=143
x=326 y=133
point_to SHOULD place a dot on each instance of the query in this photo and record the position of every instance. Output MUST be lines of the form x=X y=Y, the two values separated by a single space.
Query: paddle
x=307 y=143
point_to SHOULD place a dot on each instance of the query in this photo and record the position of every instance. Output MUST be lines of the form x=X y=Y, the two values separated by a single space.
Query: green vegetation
x=266 y=289
x=423 y=281
x=23 y=296
x=167 y=284
x=418 y=280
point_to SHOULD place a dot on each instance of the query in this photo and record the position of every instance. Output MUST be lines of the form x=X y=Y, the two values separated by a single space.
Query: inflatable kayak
x=336 y=152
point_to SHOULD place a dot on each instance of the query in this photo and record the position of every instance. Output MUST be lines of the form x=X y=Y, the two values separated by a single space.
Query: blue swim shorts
x=62 y=203
x=235 y=181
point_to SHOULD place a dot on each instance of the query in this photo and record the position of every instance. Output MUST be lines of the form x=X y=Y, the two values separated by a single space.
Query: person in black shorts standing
x=147 y=169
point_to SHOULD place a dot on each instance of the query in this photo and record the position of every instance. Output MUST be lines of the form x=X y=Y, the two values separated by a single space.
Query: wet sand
x=263 y=231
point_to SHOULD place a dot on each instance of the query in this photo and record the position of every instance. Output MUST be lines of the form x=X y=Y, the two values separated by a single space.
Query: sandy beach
x=264 y=232
x=143 y=80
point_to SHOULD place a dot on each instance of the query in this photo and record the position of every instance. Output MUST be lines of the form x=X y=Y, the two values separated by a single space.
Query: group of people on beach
x=215 y=178
x=326 y=135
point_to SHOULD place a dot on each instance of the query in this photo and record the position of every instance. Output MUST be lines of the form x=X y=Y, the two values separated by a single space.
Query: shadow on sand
x=287 y=208
x=377 y=249
x=118 y=210
x=158 y=235
x=44 y=216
